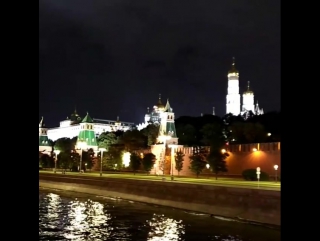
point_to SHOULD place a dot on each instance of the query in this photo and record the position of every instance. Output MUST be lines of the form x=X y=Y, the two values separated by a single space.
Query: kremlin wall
x=241 y=157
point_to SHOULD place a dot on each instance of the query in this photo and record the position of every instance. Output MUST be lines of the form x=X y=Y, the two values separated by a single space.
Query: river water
x=74 y=216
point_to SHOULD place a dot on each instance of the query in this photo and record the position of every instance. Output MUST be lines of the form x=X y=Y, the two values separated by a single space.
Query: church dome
x=248 y=91
x=233 y=69
x=159 y=104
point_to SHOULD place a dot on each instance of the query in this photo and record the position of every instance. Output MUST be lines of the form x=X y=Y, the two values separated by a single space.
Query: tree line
x=207 y=130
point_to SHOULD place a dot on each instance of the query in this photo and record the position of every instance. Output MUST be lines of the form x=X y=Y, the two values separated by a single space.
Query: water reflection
x=87 y=220
x=109 y=220
x=165 y=229
x=54 y=201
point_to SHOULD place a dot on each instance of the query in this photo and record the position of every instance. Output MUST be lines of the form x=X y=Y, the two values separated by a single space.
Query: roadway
x=227 y=182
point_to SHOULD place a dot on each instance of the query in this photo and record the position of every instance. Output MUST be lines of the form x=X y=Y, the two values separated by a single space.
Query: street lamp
x=276 y=169
x=164 y=138
x=56 y=152
x=81 y=145
x=102 y=150
x=223 y=151
x=208 y=165
x=254 y=149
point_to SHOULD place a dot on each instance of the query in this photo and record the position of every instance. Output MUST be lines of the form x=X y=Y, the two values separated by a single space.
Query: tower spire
x=213 y=111
x=41 y=122
x=168 y=108
x=248 y=85
x=148 y=110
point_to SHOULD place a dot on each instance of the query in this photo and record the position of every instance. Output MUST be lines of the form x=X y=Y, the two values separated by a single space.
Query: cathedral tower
x=233 y=96
x=248 y=100
x=44 y=144
x=87 y=133
x=167 y=127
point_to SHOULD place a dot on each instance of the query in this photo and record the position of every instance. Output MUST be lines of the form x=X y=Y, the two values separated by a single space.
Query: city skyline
x=120 y=68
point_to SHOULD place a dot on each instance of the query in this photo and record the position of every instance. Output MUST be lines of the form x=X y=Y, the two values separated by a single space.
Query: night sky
x=113 y=57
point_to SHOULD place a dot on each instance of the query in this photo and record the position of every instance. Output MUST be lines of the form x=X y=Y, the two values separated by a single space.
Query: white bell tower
x=233 y=96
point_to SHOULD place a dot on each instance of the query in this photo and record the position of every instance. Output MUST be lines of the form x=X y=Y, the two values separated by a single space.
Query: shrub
x=251 y=175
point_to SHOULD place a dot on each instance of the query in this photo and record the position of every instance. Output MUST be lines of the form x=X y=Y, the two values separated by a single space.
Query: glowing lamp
x=126 y=159
x=254 y=149
x=208 y=166
x=275 y=167
x=223 y=151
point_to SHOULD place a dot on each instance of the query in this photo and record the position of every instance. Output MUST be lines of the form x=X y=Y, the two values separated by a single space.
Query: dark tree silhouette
x=135 y=162
x=179 y=161
x=148 y=161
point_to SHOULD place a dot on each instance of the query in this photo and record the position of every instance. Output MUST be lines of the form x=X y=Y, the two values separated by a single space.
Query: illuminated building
x=44 y=144
x=87 y=134
x=71 y=127
x=233 y=96
x=154 y=117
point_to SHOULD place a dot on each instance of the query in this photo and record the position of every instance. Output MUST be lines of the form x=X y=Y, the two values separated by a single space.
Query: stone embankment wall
x=261 y=206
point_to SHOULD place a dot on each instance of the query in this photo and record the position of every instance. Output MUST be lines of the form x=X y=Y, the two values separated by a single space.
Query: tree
x=46 y=161
x=217 y=162
x=106 y=139
x=148 y=162
x=64 y=160
x=179 y=161
x=187 y=134
x=63 y=145
x=151 y=132
x=213 y=134
x=113 y=156
x=135 y=162
x=198 y=160
x=87 y=157
x=133 y=140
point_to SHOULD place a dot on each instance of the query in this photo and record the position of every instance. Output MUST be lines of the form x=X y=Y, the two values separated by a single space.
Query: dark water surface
x=74 y=216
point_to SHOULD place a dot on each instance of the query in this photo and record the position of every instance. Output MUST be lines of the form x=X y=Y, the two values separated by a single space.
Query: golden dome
x=159 y=104
x=248 y=91
x=233 y=69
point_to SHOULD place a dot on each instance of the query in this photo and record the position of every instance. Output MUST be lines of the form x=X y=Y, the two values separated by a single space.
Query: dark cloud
x=114 y=57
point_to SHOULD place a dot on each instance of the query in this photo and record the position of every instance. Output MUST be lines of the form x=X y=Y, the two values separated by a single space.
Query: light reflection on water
x=163 y=228
x=67 y=218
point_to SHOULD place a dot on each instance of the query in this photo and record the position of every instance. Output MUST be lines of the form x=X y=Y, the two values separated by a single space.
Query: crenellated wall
x=241 y=157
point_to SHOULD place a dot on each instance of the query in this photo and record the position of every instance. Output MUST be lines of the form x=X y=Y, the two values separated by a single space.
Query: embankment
x=256 y=205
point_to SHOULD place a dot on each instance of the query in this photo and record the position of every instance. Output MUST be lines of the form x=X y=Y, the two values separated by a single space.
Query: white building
x=70 y=127
x=154 y=117
x=233 y=96
x=44 y=144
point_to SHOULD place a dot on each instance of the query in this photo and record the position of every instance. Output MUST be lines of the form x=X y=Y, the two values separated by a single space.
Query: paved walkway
x=229 y=182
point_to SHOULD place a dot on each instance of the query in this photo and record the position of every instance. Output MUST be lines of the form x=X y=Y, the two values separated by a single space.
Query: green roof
x=169 y=131
x=87 y=119
x=44 y=141
x=88 y=136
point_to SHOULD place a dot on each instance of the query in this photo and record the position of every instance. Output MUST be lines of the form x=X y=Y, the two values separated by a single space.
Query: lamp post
x=258 y=174
x=56 y=152
x=102 y=150
x=276 y=169
x=81 y=145
x=208 y=166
